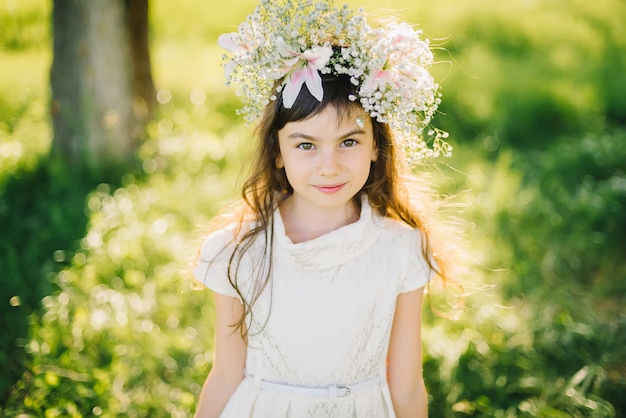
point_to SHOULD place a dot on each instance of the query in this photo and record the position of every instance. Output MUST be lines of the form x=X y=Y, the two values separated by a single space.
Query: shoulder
x=219 y=237
x=396 y=230
x=406 y=244
x=222 y=239
x=215 y=257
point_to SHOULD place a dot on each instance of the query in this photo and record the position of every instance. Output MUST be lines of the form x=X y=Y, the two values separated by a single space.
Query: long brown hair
x=266 y=184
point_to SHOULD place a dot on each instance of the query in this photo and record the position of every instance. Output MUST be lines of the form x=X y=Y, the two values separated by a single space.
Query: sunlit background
x=103 y=319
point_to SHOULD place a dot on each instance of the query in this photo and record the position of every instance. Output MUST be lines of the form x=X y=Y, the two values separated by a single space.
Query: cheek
x=293 y=172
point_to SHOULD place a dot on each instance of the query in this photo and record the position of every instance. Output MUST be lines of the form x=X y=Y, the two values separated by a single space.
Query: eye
x=349 y=143
x=305 y=146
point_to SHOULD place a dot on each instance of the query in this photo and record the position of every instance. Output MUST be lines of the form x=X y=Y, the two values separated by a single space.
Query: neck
x=306 y=223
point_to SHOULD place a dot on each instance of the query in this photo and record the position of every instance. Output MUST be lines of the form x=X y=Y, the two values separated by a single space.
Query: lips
x=330 y=189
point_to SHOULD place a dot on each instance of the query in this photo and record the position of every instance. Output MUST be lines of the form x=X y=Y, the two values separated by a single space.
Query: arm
x=229 y=361
x=404 y=359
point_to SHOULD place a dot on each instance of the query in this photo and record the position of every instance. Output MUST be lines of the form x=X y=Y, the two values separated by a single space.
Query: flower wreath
x=295 y=41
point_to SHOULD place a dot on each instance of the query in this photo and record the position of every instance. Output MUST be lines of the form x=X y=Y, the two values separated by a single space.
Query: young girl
x=318 y=279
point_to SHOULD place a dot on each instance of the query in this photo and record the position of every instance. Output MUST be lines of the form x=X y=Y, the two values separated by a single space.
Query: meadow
x=101 y=317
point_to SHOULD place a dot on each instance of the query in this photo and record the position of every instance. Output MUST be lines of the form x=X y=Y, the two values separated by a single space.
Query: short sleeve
x=416 y=272
x=212 y=267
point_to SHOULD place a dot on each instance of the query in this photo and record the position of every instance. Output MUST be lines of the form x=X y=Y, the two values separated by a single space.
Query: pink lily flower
x=239 y=44
x=402 y=33
x=231 y=43
x=302 y=68
x=377 y=79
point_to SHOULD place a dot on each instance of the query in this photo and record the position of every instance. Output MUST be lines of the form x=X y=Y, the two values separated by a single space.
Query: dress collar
x=329 y=250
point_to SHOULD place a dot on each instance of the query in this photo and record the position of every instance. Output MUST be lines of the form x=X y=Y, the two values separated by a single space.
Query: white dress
x=331 y=303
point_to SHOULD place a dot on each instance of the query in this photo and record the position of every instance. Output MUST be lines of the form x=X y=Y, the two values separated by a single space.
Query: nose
x=329 y=164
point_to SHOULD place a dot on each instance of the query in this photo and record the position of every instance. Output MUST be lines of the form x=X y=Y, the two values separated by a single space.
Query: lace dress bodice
x=324 y=317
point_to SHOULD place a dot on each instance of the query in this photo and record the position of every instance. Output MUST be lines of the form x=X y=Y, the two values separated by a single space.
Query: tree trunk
x=137 y=23
x=100 y=66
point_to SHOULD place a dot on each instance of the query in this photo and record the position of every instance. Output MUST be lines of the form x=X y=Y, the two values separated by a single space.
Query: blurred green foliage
x=100 y=315
x=527 y=73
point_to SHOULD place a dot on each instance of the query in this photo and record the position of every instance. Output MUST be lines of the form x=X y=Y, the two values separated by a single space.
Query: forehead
x=332 y=119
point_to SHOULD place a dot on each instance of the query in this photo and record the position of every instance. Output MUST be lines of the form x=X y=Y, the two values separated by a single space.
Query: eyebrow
x=299 y=135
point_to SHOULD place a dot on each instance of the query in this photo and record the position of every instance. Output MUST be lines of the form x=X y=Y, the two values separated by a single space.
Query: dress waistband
x=327 y=391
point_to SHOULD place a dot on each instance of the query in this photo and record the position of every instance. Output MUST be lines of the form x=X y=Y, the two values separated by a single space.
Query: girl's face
x=327 y=160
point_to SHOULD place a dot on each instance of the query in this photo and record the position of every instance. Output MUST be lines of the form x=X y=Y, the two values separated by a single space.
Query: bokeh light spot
x=164 y=96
